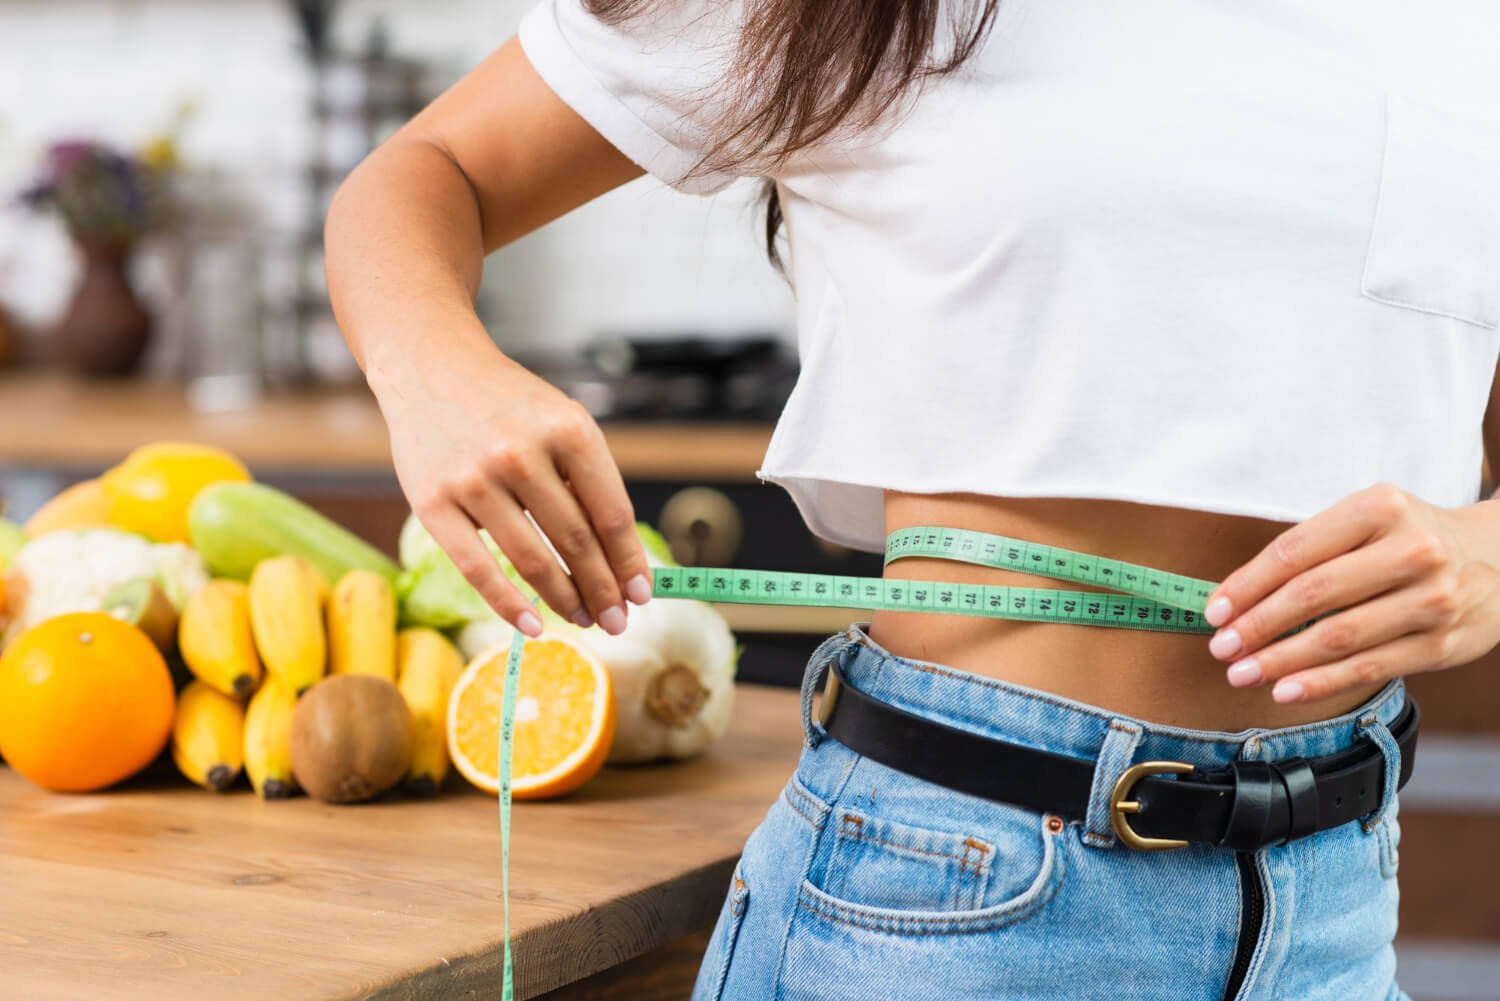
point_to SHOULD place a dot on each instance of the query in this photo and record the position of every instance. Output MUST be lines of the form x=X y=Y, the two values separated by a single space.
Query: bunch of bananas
x=254 y=649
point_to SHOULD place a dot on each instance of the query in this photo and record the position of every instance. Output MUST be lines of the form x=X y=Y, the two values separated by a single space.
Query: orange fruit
x=83 y=505
x=564 y=720
x=149 y=493
x=85 y=701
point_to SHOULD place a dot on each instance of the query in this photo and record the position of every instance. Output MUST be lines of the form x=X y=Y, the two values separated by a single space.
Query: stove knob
x=703 y=527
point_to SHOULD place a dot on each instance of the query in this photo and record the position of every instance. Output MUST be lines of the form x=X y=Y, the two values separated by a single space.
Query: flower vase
x=105 y=329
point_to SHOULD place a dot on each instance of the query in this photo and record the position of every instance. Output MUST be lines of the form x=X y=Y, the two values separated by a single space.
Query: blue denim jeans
x=863 y=882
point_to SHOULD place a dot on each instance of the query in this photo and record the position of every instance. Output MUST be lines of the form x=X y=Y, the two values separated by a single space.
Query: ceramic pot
x=105 y=329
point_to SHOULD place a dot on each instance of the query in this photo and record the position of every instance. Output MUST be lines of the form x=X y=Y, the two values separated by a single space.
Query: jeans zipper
x=1252 y=916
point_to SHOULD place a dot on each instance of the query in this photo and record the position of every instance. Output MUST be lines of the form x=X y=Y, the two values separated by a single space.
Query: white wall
x=642 y=259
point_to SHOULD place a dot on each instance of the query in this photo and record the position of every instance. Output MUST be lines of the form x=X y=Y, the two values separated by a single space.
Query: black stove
x=701 y=378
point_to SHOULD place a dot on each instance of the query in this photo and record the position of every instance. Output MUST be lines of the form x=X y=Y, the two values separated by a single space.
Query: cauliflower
x=73 y=571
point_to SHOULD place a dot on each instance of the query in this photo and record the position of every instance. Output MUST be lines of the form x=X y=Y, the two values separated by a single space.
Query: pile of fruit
x=175 y=602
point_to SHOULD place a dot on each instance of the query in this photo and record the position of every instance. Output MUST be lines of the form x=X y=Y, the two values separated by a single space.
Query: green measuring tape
x=1154 y=599
x=507 y=738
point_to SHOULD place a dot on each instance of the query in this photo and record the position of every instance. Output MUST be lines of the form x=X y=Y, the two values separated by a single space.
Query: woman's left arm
x=1418 y=585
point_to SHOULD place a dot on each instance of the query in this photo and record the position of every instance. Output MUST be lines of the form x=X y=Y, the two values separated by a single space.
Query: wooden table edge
x=537 y=952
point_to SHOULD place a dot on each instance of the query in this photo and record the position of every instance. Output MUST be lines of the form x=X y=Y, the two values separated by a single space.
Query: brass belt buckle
x=1119 y=805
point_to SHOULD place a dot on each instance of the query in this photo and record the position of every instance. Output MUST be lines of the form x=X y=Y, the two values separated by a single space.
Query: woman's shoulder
x=655 y=77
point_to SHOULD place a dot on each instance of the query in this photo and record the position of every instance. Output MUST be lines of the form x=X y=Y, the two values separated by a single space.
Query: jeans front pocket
x=901 y=878
x=1435 y=238
x=714 y=968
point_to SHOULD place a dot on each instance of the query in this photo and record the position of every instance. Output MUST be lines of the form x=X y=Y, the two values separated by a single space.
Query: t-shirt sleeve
x=653 y=85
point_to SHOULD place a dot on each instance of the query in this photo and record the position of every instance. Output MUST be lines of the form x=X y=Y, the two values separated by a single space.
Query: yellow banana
x=286 y=618
x=208 y=736
x=428 y=666
x=215 y=638
x=362 y=626
x=268 y=740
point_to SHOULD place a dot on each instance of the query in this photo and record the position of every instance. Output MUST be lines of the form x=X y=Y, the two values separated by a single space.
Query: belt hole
x=1338 y=801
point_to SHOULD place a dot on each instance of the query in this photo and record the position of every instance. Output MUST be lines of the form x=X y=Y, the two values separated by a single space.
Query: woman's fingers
x=492 y=507
x=559 y=516
x=1344 y=636
x=1407 y=654
x=595 y=480
x=1349 y=523
x=453 y=530
x=1338 y=583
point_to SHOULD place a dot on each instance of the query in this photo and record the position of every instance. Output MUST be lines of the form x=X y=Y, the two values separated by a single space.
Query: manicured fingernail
x=613 y=619
x=1226 y=643
x=1217 y=612
x=582 y=619
x=638 y=589
x=1244 y=672
x=1287 y=691
x=529 y=624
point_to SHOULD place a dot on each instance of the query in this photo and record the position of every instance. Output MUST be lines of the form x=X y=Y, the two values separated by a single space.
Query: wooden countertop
x=159 y=891
x=50 y=421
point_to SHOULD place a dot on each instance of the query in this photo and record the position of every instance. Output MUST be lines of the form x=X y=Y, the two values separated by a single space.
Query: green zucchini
x=236 y=525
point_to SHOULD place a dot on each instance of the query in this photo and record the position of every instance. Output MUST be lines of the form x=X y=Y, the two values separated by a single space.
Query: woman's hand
x=1415 y=584
x=478 y=441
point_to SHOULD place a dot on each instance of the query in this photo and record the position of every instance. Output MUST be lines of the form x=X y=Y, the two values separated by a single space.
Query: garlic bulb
x=673 y=671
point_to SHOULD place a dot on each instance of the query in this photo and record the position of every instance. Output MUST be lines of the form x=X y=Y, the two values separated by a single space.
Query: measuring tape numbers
x=1152 y=599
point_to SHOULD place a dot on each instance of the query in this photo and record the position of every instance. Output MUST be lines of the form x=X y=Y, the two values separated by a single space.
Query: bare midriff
x=1166 y=678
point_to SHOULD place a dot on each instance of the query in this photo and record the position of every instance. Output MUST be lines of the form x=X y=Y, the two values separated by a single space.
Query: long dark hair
x=804 y=68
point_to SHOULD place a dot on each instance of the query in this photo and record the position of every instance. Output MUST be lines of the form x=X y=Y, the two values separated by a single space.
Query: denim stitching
x=813 y=732
x=802 y=800
x=1268 y=923
x=923 y=926
x=1115 y=754
x=964 y=860
x=1370 y=728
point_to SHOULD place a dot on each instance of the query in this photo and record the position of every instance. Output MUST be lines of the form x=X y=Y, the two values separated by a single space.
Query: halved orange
x=564 y=720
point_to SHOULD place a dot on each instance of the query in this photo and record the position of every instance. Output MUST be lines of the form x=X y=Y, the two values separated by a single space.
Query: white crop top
x=1213 y=254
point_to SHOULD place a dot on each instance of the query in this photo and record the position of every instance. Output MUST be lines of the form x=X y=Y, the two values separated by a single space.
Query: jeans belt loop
x=1371 y=728
x=812 y=679
x=1120 y=742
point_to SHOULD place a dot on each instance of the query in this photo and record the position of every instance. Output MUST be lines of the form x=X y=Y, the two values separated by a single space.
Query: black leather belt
x=1246 y=806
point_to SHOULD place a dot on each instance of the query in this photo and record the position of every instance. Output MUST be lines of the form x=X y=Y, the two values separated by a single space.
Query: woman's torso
x=1152 y=282
x=1162 y=677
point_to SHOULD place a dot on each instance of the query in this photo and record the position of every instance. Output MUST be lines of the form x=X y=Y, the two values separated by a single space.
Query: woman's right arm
x=476 y=439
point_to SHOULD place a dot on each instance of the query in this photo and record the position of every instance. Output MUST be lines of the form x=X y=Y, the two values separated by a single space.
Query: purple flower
x=99 y=192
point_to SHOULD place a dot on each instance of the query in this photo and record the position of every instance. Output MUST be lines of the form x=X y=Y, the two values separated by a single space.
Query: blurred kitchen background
x=219 y=130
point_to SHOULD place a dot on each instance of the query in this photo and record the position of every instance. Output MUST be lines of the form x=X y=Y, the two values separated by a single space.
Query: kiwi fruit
x=351 y=738
x=142 y=603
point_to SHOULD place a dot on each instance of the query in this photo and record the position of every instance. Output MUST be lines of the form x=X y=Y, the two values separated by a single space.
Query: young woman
x=1209 y=287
